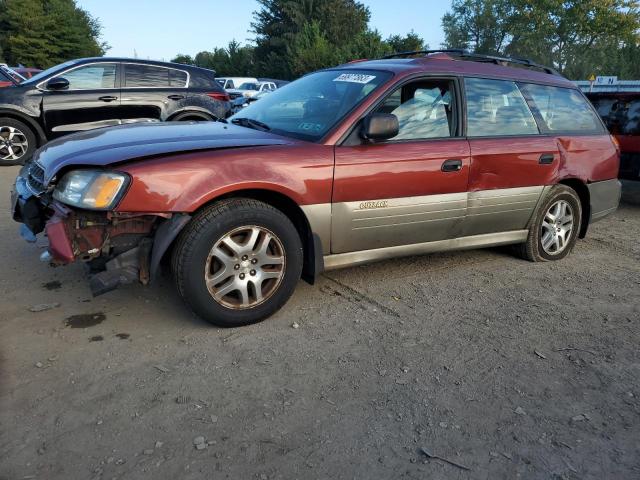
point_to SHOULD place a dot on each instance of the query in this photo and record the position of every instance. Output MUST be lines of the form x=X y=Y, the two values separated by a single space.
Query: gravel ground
x=507 y=368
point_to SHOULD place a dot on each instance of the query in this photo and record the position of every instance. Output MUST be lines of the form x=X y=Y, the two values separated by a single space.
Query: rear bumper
x=605 y=198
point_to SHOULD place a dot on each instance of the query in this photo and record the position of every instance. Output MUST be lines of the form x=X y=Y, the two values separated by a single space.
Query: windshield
x=309 y=107
x=249 y=86
x=50 y=71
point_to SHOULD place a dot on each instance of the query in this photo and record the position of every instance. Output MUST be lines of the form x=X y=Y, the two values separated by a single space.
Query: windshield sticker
x=354 y=78
x=310 y=127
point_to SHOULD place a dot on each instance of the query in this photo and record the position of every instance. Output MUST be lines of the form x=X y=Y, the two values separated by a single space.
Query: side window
x=178 y=78
x=563 y=109
x=145 y=76
x=424 y=109
x=230 y=84
x=92 y=77
x=496 y=107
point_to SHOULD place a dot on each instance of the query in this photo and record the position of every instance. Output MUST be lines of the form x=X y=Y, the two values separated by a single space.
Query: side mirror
x=58 y=83
x=380 y=126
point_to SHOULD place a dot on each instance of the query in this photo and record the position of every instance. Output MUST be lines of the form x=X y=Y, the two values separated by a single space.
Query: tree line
x=293 y=37
x=43 y=33
x=577 y=37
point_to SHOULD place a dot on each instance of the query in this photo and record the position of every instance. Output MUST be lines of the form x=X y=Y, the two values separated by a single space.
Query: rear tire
x=555 y=226
x=237 y=262
x=17 y=142
x=193 y=117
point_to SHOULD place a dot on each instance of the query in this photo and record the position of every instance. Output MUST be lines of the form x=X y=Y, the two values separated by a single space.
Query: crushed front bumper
x=119 y=248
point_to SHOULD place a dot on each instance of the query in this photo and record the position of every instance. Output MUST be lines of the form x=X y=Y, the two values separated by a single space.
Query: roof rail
x=478 y=57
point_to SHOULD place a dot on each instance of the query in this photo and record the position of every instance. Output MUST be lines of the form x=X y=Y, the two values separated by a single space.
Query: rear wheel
x=237 y=262
x=17 y=142
x=193 y=117
x=555 y=227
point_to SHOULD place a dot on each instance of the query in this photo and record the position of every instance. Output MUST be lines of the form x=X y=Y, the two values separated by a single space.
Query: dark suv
x=100 y=92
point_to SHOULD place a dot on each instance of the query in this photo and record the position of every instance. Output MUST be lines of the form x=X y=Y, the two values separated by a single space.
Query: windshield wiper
x=251 y=123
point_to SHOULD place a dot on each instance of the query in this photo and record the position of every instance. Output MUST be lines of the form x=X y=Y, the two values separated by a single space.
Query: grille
x=35 y=179
x=234 y=95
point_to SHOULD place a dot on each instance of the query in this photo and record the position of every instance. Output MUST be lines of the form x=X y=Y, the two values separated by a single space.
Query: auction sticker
x=354 y=78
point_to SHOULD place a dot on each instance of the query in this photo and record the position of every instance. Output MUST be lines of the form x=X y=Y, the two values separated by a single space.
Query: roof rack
x=477 y=57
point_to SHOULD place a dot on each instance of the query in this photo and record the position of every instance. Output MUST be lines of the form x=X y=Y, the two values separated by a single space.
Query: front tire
x=237 y=262
x=555 y=226
x=17 y=142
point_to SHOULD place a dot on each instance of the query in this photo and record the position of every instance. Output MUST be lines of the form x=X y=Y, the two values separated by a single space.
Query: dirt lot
x=511 y=369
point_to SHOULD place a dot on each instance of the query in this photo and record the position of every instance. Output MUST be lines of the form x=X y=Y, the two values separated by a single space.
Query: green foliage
x=310 y=50
x=233 y=60
x=294 y=37
x=42 y=33
x=577 y=37
x=409 y=43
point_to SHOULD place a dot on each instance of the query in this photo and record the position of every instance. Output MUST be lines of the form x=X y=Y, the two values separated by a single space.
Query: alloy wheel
x=557 y=226
x=13 y=144
x=245 y=267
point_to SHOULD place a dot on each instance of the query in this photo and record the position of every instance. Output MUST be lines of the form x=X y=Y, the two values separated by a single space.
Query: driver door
x=411 y=188
x=91 y=101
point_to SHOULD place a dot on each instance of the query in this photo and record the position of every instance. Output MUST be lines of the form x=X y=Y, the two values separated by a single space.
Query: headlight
x=91 y=189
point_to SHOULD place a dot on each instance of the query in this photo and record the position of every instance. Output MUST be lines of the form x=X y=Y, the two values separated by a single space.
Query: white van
x=234 y=82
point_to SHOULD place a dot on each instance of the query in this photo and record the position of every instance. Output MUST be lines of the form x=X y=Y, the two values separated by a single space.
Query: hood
x=109 y=146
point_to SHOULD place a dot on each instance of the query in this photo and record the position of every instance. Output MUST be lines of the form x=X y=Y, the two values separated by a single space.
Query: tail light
x=222 y=96
x=616 y=142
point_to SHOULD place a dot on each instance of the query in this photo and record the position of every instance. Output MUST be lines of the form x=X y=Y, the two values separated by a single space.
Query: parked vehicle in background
x=257 y=97
x=100 y=92
x=362 y=162
x=279 y=83
x=9 y=76
x=230 y=83
x=241 y=98
x=621 y=114
x=26 y=72
x=251 y=89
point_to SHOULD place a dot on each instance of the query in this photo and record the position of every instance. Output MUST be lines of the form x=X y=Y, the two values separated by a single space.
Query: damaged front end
x=118 y=248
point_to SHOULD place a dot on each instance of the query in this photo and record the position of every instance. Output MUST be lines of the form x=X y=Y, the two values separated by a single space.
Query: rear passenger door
x=408 y=189
x=151 y=92
x=511 y=160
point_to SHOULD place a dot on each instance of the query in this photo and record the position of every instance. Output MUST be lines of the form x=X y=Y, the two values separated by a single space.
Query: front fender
x=184 y=183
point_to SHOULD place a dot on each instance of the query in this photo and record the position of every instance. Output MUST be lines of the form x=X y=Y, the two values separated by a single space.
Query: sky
x=160 y=29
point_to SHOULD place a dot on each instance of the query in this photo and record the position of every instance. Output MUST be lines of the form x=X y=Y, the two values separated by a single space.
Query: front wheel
x=17 y=142
x=237 y=262
x=555 y=226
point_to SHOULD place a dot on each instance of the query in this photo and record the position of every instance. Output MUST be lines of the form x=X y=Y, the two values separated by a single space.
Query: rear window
x=148 y=76
x=563 y=109
x=496 y=107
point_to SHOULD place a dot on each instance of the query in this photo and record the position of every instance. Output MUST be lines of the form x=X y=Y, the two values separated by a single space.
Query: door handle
x=546 y=159
x=175 y=97
x=107 y=98
x=452 y=165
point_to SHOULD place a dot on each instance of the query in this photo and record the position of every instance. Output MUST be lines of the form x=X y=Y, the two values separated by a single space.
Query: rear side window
x=563 y=109
x=496 y=107
x=148 y=76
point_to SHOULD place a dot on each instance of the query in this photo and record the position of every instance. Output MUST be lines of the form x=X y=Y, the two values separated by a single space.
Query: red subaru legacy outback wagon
x=371 y=160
